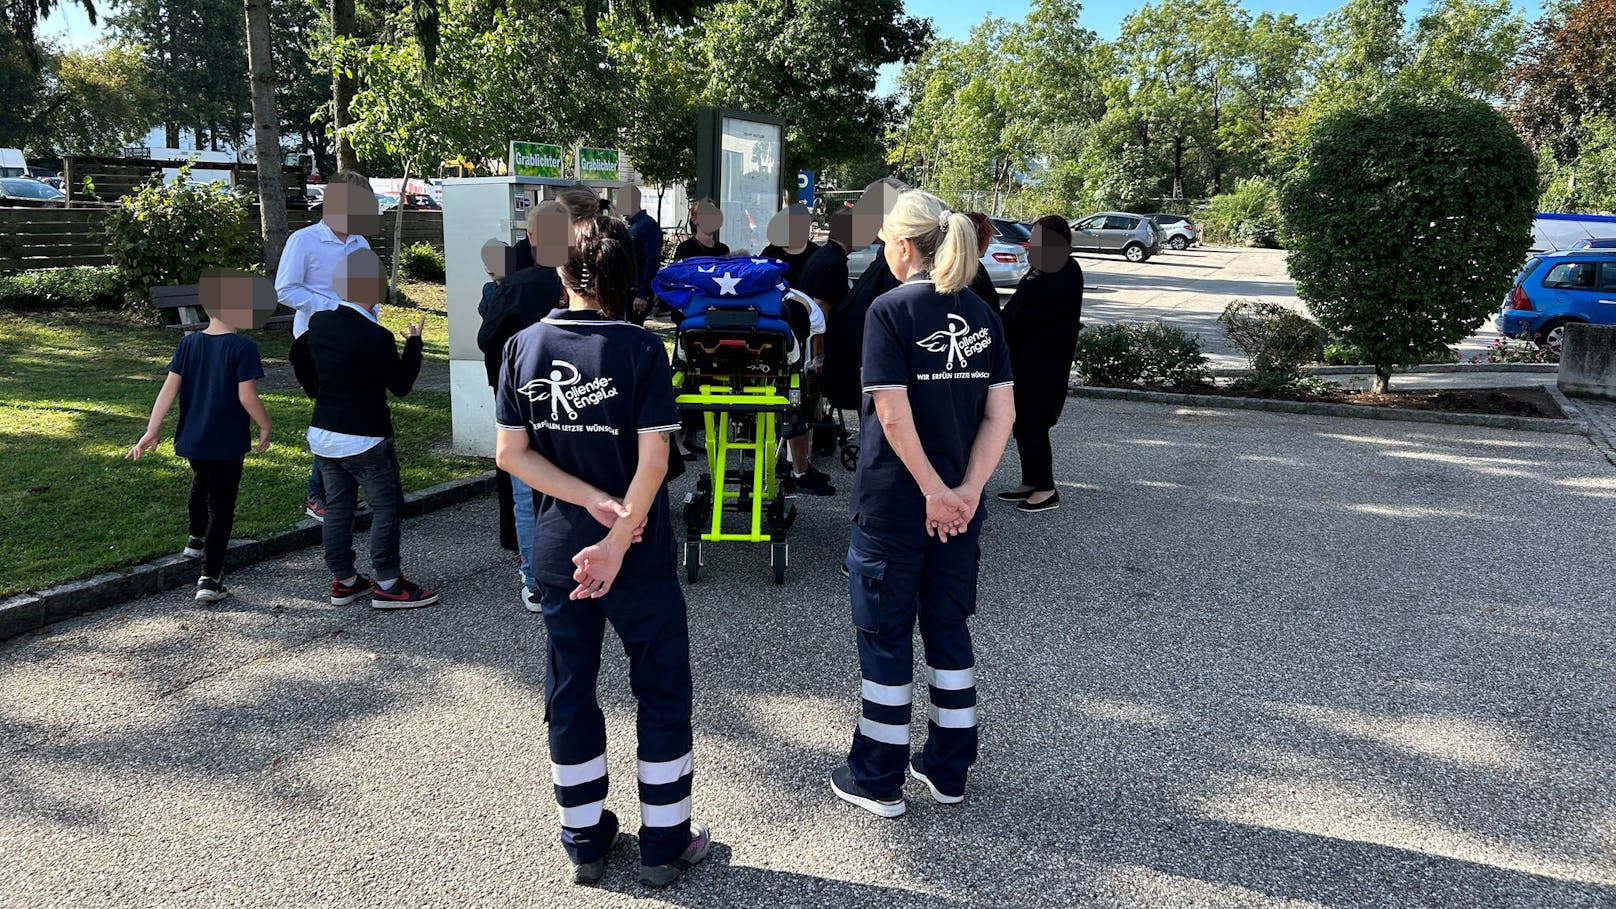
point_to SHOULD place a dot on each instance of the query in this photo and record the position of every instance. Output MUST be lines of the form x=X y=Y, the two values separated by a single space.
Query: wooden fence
x=59 y=237
x=114 y=178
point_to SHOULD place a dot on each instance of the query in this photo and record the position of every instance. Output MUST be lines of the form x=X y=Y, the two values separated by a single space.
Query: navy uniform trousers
x=896 y=580
x=650 y=620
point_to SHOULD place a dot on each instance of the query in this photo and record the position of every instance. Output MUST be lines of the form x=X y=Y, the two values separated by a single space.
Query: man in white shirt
x=308 y=267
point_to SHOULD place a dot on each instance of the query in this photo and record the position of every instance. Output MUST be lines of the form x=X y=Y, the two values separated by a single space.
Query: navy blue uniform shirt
x=584 y=388
x=946 y=351
x=647 y=236
x=213 y=424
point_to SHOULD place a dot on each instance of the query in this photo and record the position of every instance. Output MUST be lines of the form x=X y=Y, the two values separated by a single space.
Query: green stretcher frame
x=718 y=404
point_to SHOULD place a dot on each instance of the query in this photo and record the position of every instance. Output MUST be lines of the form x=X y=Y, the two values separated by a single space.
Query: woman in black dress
x=1041 y=324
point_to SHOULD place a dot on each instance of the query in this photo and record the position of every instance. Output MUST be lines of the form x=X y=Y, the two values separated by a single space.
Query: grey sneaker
x=530 y=599
x=659 y=876
x=589 y=873
x=843 y=784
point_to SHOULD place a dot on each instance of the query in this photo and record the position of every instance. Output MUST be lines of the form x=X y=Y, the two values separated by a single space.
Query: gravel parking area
x=1256 y=660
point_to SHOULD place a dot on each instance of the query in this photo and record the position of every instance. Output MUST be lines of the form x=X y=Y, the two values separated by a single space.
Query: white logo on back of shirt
x=958 y=340
x=567 y=392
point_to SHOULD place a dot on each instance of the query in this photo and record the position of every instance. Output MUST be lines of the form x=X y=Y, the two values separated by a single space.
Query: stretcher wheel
x=777 y=561
x=692 y=562
x=850 y=457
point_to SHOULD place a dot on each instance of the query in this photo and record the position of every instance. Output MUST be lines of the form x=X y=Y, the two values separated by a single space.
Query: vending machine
x=476 y=210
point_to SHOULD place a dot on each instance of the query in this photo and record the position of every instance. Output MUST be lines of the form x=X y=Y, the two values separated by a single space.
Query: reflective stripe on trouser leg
x=947 y=599
x=577 y=728
x=883 y=605
x=650 y=618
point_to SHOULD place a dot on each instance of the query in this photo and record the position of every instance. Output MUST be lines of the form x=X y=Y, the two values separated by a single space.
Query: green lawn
x=75 y=392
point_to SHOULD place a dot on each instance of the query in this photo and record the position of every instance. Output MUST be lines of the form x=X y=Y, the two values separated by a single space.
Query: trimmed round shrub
x=1140 y=353
x=1406 y=219
x=1277 y=339
x=422 y=262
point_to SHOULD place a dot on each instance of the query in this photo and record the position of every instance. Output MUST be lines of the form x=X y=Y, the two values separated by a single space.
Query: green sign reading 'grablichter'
x=536 y=159
x=597 y=163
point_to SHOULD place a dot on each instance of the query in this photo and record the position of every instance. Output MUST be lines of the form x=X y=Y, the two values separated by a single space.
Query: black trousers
x=1037 y=457
x=212 y=508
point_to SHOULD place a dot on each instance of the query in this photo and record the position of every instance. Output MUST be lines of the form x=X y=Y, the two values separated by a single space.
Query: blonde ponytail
x=955 y=262
x=947 y=244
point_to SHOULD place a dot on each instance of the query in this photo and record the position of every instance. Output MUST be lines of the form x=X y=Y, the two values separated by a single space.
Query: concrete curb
x=1492 y=421
x=29 y=611
x=1424 y=369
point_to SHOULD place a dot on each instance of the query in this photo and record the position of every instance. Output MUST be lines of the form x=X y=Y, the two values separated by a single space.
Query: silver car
x=1178 y=231
x=1136 y=237
x=1005 y=263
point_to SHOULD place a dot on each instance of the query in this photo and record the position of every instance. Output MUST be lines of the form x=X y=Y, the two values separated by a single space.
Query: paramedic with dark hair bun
x=585 y=411
x=938 y=409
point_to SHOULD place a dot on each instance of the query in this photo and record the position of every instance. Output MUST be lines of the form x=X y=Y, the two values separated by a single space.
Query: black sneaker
x=1049 y=504
x=343 y=594
x=403 y=595
x=659 y=876
x=943 y=798
x=589 y=873
x=209 y=590
x=194 y=547
x=814 y=483
x=1015 y=495
x=842 y=783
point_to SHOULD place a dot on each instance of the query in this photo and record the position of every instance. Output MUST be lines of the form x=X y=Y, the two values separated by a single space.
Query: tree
x=1465 y=46
x=1054 y=81
x=266 y=131
x=1587 y=184
x=106 y=100
x=22 y=18
x=196 y=51
x=302 y=38
x=1361 y=49
x=343 y=49
x=1566 y=76
x=658 y=66
x=1462 y=186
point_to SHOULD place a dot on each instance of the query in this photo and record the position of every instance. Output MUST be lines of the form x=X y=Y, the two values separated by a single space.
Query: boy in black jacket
x=347 y=363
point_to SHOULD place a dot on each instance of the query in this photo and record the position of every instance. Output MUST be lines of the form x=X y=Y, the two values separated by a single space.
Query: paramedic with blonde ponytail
x=937 y=413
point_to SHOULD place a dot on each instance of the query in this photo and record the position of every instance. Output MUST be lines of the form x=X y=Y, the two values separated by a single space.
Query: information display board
x=740 y=163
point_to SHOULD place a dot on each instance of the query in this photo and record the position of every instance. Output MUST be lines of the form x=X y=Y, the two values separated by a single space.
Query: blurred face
x=873 y=206
x=789 y=228
x=549 y=230
x=349 y=209
x=629 y=200
x=239 y=299
x=360 y=279
x=493 y=254
x=708 y=219
x=1049 y=251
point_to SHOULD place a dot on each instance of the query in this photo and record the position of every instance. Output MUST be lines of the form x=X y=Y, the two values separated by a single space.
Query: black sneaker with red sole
x=343 y=594
x=404 y=595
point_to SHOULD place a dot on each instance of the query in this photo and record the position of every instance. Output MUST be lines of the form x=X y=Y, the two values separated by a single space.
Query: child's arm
x=247 y=392
x=165 y=400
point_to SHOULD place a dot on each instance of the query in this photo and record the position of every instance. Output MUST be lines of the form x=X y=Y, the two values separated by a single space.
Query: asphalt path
x=1256 y=660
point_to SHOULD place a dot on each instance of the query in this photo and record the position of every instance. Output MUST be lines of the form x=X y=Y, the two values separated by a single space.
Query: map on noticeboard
x=597 y=163
x=536 y=159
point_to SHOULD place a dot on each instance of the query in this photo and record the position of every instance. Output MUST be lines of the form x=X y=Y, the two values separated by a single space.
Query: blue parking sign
x=805 y=187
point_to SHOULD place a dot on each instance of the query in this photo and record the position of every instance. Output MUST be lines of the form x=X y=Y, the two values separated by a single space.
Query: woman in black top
x=788 y=241
x=707 y=221
x=1041 y=323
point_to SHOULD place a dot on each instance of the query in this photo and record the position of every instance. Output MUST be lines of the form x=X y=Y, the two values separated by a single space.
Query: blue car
x=1554 y=289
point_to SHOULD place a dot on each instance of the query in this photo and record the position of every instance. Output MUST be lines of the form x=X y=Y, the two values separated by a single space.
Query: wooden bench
x=183 y=298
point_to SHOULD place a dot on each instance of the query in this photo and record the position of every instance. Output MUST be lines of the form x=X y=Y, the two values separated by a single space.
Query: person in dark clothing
x=844 y=332
x=707 y=220
x=347 y=362
x=520 y=300
x=214 y=375
x=789 y=241
x=647 y=236
x=982 y=284
x=1041 y=324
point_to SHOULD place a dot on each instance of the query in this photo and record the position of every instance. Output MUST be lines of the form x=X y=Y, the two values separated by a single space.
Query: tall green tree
x=266 y=129
x=1566 y=76
x=21 y=19
x=1361 y=48
x=1054 y=79
x=1465 y=46
x=196 y=51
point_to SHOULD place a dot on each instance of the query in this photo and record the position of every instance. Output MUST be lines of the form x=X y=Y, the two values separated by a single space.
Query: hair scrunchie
x=942 y=220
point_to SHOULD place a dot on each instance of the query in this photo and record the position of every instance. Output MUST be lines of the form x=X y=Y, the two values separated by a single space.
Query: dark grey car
x=1136 y=237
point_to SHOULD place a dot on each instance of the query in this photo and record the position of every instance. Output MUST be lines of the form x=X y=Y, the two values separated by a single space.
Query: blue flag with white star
x=718 y=280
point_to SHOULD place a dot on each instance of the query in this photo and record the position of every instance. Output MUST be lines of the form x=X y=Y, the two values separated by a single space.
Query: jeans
x=316 y=482
x=212 y=507
x=376 y=471
x=522 y=505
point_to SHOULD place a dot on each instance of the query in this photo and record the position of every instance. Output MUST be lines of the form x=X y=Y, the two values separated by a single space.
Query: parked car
x=386 y=202
x=12 y=163
x=1005 y=263
x=27 y=191
x=1014 y=232
x=1555 y=289
x=1595 y=243
x=1178 y=231
x=422 y=201
x=315 y=193
x=1134 y=236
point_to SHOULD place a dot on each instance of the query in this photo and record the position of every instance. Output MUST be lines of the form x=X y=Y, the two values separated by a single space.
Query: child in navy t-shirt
x=214 y=373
